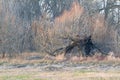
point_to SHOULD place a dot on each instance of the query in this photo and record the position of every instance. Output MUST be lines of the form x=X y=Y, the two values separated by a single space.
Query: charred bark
x=84 y=44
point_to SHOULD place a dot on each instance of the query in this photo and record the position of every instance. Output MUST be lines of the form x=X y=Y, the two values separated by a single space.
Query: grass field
x=36 y=74
x=50 y=69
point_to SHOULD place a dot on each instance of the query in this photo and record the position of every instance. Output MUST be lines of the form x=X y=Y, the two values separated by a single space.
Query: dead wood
x=83 y=44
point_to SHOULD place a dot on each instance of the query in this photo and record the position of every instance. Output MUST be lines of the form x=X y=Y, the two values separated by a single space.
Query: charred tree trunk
x=84 y=44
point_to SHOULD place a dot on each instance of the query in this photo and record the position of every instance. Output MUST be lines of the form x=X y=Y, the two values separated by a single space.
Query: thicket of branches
x=84 y=17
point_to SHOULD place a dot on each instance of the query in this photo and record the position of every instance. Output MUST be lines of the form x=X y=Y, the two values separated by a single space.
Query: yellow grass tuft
x=75 y=58
x=60 y=57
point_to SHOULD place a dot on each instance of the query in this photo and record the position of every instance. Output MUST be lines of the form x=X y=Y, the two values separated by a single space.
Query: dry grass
x=35 y=74
x=96 y=58
x=60 y=57
x=22 y=58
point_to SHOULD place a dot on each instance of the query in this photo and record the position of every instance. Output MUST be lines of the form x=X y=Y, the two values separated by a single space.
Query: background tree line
x=38 y=25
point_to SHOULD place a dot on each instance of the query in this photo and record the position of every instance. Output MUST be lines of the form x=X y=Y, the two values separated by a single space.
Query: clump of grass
x=82 y=72
x=2 y=62
x=18 y=77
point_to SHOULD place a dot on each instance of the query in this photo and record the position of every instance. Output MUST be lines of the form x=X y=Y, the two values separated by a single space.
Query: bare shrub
x=49 y=37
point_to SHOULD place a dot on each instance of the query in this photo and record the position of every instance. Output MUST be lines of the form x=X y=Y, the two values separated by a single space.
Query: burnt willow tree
x=38 y=25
